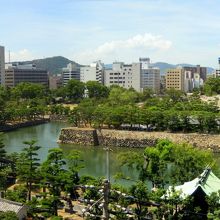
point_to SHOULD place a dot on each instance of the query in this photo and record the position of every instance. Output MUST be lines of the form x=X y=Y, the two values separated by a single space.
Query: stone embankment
x=17 y=125
x=136 y=139
x=62 y=118
x=79 y=136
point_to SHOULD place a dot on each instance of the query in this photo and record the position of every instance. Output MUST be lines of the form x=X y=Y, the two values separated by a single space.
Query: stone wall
x=79 y=136
x=142 y=139
x=136 y=139
x=14 y=126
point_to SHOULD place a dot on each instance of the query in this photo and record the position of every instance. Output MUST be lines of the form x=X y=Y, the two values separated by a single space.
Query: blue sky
x=173 y=31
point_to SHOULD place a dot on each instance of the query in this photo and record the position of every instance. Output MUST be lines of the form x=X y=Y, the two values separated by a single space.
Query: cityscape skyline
x=89 y=30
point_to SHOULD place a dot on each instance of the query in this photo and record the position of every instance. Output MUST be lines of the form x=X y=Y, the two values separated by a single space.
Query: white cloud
x=21 y=55
x=114 y=49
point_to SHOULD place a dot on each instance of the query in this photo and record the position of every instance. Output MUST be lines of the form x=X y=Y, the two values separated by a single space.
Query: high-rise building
x=175 y=79
x=124 y=75
x=188 y=81
x=2 y=65
x=202 y=71
x=72 y=71
x=93 y=72
x=150 y=76
x=17 y=73
x=217 y=71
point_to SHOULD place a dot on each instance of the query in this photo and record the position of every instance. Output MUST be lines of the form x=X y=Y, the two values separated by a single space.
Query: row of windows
x=117 y=82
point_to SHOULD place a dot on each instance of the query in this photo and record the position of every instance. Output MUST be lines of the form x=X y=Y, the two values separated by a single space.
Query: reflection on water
x=46 y=136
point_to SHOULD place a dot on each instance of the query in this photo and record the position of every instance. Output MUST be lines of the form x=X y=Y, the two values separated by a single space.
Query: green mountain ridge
x=55 y=64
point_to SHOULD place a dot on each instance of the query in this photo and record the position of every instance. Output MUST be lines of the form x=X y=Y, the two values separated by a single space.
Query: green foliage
x=2 y=147
x=75 y=90
x=96 y=90
x=54 y=176
x=212 y=86
x=9 y=215
x=214 y=205
x=141 y=194
x=28 y=164
x=168 y=163
x=26 y=90
x=18 y=194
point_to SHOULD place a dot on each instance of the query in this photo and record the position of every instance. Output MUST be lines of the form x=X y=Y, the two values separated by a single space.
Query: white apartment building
x=72 y=71
x=2 y=65
x=94 y=72
x=124 y=75
x=150 y=77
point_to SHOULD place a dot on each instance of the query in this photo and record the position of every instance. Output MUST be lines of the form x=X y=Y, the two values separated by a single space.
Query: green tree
x=26 y=90
x=9 y=215
x=54 y=177
x=212 y=86
x=2 y=147
x=75 y=90
x=28 y=164
x=141 y=197
x=96 y=90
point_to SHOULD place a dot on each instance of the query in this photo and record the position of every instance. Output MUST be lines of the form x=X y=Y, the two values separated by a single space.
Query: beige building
x=175 y=79
x=2 y=65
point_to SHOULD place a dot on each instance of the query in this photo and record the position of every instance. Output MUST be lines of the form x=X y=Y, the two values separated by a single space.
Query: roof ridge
x=11 y=202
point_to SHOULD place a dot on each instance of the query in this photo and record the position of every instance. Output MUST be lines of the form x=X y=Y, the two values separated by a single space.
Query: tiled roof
x=7 y=205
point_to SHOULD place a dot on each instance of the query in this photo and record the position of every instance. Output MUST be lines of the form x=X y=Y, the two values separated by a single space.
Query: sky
x=173 y=31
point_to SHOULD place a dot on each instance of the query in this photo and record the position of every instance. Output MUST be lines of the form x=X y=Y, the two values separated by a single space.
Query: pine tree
x=2 y=147
x=28 y=165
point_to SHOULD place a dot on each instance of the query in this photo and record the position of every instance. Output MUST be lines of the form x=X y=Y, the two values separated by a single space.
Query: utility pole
x=106 y=191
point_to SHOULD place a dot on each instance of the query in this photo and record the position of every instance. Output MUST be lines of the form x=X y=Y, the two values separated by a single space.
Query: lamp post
x=106 y=189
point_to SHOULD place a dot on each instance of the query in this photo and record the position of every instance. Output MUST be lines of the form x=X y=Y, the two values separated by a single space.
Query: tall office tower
x=93 y=72
x=2 y=65
x=175 y=79
x=150 y=76
x=72 y=71
x=124 y=75
x=17 y=73
x=217 y=71
x=188 y=81
x=202 y=71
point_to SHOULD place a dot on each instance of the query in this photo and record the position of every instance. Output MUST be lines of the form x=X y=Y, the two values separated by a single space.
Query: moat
x=46 y=136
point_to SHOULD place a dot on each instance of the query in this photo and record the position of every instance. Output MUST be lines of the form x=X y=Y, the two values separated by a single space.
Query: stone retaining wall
x=135 y=139
x=80 y=136
x=11 y=127
x=62 y=118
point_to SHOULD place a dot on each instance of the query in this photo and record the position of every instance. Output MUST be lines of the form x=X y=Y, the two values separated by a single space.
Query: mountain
x=53 y=65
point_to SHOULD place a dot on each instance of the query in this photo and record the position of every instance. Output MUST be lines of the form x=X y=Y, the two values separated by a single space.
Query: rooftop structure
x=18 y=208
